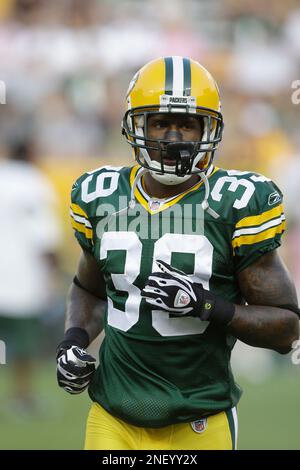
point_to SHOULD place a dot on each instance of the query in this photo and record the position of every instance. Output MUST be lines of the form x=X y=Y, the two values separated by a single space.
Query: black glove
x=75 y=367
x=174 y=292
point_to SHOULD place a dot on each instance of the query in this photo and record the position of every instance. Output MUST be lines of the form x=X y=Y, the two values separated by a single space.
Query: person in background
x=30 y=237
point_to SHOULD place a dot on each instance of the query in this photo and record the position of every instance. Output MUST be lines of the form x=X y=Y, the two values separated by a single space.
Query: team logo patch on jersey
x=273 y=198
x=199 y=425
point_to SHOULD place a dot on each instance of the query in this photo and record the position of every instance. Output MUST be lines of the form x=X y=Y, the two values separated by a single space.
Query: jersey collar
x=155 y=205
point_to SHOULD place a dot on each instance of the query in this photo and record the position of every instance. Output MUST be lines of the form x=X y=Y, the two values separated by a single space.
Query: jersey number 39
x=198 y=245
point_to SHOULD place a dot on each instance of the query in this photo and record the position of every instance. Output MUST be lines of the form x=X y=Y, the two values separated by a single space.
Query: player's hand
x=75 y=368
x=173 y=291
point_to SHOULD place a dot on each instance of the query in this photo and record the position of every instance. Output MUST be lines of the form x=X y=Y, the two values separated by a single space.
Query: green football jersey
x=156 y=369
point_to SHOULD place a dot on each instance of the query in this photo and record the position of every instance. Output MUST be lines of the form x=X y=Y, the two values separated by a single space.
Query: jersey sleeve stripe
x=260 y=219
x=78 y=211
x=82 y=229
x=256 y=238
x=81 y=220
x=261 y=228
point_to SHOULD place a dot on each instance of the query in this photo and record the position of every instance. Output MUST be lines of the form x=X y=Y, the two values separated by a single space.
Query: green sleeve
x=260 y=229
x=79 y=219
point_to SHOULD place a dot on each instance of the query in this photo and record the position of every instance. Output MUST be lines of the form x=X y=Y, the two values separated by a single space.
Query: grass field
x=269 y=415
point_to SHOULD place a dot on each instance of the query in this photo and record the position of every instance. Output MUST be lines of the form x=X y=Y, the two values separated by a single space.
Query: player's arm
x=268 y=320
x=84 y=321
x=87 y=298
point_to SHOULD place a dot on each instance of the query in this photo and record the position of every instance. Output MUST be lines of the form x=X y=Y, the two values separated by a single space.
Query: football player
x=175 y=274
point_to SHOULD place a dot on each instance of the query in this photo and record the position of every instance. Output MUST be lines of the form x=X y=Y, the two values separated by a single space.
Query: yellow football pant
x=105 y=432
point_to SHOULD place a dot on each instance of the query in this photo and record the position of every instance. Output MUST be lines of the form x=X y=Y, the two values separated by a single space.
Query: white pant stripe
x=235 y=420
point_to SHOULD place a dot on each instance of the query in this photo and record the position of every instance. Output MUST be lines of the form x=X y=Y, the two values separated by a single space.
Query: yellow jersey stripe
x=133 y=173
x=88 y=232
x=260 y=228
x=260 y=219
x=258 y=237
x=77 y=210
x=140 y=198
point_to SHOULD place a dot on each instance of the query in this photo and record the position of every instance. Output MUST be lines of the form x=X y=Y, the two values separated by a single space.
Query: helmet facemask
x=190 y=157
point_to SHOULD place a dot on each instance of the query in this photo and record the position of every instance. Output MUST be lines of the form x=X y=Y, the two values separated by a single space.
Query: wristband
x=74 y=337
x=216 y=310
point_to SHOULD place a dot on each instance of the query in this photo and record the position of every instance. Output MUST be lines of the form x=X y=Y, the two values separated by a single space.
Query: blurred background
x=67 y=65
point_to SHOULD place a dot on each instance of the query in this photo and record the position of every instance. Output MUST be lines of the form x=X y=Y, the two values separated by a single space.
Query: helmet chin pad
x=167 y=178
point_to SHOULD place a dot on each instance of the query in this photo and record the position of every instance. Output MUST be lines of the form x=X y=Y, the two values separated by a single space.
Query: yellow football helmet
x=173 y=85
